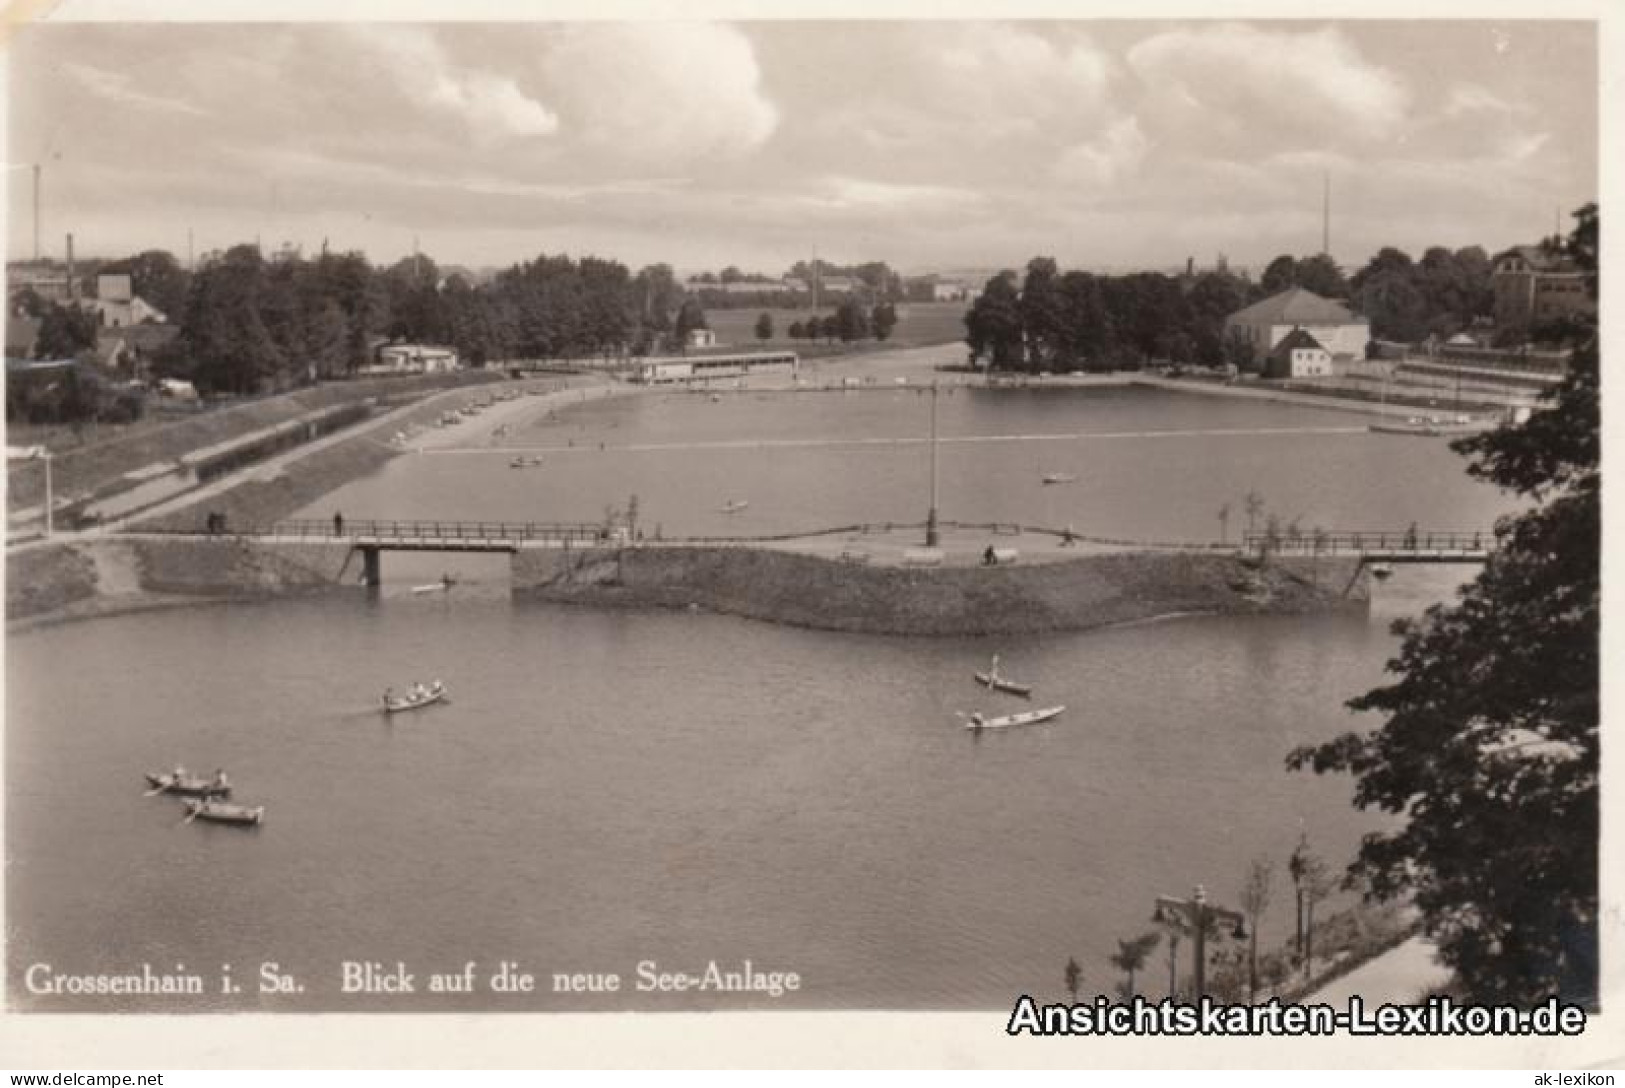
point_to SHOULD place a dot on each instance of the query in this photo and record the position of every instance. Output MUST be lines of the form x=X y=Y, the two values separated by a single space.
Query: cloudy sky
x=927 y=144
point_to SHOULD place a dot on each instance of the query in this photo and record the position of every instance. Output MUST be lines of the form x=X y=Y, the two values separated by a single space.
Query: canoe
x=525 y=462
x=1059 y=478
x=435 y=587
x=735 y=506
x=999 y=683
x=434 y=694
x=224 y=812
x=1030 y=717
x=188 y=786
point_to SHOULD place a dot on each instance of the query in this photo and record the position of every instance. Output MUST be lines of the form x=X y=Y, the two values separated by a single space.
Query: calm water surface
x=607 y=788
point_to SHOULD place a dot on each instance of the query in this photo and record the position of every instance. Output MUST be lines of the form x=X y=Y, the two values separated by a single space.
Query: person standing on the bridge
x=338 y=523
x=1410 y=537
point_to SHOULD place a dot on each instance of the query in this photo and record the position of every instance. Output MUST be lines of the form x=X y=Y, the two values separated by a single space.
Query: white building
x=415 y=359
x=700 y=338
x=1334 y=327
x=1298 y=355
x=117 y=305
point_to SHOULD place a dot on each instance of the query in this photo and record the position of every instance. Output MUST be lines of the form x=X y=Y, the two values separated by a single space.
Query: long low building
x=655 y=371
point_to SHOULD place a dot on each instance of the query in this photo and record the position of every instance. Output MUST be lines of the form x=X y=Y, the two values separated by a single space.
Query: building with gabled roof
x=1264 y=324
x=1298 y=355
x=1534 y=284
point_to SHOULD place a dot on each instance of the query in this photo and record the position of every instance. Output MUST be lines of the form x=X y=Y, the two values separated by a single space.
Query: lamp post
x=931 y=535
x=50 y=523
x=1195 y=915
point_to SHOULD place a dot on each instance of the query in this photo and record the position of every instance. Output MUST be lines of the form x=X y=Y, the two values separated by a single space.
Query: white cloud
x=490 y=106
x=1111 y=157
x=659 y=91
x=1468 y=99
x=117 y=87
x=1240 y=87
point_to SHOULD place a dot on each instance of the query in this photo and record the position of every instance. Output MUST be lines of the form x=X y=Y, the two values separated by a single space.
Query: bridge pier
x=372 y=567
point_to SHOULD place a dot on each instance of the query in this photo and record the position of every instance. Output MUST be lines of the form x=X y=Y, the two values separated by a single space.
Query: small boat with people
x=1060 y=477
x=734 y=506
x=992 y=679
x=417 y=696
x=225 y=812
x=979 y=721
x=445 y=583
x=1380 y=571
x=181 y=784
x=525 y=462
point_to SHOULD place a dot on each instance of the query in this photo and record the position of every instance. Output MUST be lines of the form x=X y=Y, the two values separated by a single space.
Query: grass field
x=918 y=324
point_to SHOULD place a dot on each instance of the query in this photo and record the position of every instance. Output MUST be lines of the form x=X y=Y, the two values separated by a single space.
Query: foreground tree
x=1490 y=749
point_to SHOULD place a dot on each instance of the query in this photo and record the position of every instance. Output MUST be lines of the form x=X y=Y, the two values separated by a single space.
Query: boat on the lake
x=733 y=506
x=182 y=784
x=992 y=679
x=419 y=696
x=980 y=721
x=225 y=812
x=1380 y=570
x=1059 y=477
x=445 y=583
x=525 y=462
x=1429 y=426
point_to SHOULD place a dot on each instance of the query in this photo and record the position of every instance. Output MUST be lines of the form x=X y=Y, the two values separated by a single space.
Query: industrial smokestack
x=73 y=291
x=1190 y=266
x=36 y=213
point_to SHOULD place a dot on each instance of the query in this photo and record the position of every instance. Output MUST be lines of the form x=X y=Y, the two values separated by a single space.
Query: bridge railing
x=1362 y=541
x=386 y=531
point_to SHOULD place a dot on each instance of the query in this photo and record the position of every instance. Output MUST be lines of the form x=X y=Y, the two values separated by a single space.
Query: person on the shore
x=988 y=557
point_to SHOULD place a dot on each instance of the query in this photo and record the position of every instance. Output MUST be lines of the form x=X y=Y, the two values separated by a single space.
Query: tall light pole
x=1197 y=914
x=931 y=535
x=36 y=213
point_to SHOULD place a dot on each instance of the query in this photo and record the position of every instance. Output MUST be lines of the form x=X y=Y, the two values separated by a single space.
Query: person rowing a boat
x=221 y=785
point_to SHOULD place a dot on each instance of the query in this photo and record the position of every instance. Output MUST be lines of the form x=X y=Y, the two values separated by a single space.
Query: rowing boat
x=999 y=683
x=445 y=583
x=188 y=785
x=992 y=679
x=431 y=694
x=224 y=812
x=735 y=505
x=525 y=462
x=1059 y=478
x=1029 y=717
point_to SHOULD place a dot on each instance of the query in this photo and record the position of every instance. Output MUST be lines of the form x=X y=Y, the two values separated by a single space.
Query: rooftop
x=1296 y=306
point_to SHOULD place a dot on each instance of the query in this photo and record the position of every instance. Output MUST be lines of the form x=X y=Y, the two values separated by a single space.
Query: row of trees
x=250 y=324
x=851 y=321
x=1063 y=321
x=1076 y=320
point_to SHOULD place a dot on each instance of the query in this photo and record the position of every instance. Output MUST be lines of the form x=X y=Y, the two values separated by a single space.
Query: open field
x=918 y=323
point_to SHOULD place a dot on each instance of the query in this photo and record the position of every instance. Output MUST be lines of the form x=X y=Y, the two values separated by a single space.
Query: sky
x=931 y=145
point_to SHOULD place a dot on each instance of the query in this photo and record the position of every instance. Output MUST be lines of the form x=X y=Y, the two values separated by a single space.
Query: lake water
x=611 y=788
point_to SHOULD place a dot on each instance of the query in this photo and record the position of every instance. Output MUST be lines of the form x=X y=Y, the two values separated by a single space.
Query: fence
x=1363 y=541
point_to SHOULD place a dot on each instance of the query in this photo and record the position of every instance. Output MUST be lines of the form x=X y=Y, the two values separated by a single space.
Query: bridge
x=1411 y=545
x=374 y=537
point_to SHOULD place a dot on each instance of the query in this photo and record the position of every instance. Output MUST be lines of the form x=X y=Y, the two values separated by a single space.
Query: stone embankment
x=123 y=573
x=1071 y=595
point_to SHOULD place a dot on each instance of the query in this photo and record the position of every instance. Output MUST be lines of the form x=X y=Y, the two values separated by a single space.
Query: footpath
x=1403 y=975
